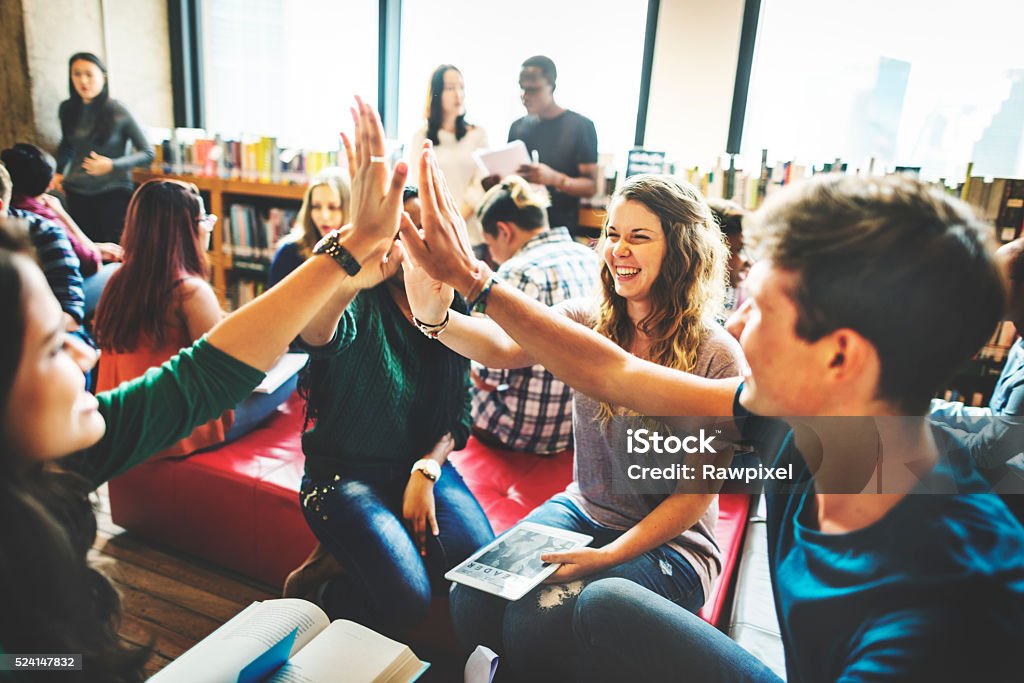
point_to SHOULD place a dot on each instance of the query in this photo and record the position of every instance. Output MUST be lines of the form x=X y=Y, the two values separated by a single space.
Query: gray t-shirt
x=718 y=356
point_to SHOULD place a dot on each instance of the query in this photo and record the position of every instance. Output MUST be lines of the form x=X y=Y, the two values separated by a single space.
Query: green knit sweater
x=383 y=400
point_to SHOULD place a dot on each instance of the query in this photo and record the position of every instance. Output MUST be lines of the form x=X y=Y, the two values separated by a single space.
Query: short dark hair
x=901 y=263
x=410 y=192
x=31 y=169
x=728 y=214
x=546 y=66
x=513 y=201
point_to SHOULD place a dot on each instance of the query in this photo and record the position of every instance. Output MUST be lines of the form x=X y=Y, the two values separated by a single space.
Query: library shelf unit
x=221 y=193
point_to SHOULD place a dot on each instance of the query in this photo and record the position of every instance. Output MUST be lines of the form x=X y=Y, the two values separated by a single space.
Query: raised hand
x=376 y=202
x=428 y=298
x=442 y=250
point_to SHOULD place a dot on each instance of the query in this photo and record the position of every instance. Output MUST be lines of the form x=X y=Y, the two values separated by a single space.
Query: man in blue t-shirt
x=870 y=292
x=563 y=142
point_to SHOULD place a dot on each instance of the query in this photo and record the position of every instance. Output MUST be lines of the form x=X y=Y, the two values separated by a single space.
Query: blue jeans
x=93 y=286
x=256 y=408
x=533 y=635
x=626 y=633
x=386 y=584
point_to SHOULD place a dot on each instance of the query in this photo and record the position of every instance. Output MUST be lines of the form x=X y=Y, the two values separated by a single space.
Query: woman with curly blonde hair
x=663 y=279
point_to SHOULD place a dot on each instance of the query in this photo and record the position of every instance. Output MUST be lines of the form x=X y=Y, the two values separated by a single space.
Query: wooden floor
x=170 y=599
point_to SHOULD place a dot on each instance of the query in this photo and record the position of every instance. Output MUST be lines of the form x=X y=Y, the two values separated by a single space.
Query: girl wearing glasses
x=159 y=301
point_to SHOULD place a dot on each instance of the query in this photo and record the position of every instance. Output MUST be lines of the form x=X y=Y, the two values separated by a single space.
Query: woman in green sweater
x=388 y=404
x=58 y=442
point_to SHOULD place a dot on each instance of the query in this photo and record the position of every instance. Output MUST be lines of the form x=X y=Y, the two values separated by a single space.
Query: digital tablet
x=510 y=565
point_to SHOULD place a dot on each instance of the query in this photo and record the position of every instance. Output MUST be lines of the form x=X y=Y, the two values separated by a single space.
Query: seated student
x=893 y=587
x=387 y=403
x=31 y=171
x=56 y=257
x=729 y=216
x=59 y=443
x=159 y=302
x=325 y=207
x=994 y=435
x=527 y=409
x=661 y=279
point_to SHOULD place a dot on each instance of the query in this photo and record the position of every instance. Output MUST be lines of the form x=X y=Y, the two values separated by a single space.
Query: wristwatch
x=330 y=246
x=428 y=468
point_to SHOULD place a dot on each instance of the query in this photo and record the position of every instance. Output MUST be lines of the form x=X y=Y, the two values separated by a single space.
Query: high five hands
x=376 y=199
x=441 y=248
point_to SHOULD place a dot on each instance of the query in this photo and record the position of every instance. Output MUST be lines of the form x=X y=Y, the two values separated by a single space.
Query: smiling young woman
x=662 y=281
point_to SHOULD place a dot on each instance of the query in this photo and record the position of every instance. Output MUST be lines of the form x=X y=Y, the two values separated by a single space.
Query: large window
x=597 y=46
x=929 y=85
x=288 y=68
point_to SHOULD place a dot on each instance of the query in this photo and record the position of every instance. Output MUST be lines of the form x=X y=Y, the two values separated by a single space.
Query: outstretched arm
x=575 y=354
x=260 y=331
x=476 y=338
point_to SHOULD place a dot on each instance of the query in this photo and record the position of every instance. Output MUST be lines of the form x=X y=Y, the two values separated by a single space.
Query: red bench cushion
x=237 y=505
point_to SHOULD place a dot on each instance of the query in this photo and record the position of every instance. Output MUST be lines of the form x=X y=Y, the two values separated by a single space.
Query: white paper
x=286 y=366
x=502 y=161
x=481 y=665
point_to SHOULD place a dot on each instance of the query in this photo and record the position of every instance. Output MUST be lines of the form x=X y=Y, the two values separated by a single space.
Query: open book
x=289 y=640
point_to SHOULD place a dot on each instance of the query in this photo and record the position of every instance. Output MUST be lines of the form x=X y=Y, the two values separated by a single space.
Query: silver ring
x=377 y=160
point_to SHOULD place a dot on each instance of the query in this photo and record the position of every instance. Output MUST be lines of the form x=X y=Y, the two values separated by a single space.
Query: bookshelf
x=221 y=193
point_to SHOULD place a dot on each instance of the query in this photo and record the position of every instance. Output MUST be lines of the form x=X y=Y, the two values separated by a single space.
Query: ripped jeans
x=534 y=634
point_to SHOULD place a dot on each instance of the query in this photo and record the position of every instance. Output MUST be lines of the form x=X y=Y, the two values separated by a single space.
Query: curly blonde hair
x=690 y=287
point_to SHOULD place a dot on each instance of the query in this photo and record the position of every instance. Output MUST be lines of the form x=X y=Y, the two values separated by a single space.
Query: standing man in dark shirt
x=563 y=144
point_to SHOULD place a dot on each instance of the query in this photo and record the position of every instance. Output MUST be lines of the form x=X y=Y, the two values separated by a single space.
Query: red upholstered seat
x=237 y=505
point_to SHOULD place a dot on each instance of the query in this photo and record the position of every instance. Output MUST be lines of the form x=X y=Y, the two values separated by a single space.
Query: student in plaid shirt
x=527 y=409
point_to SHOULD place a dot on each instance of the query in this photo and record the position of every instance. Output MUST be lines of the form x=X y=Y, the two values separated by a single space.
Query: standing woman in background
x=94 y=168
x=454 y=143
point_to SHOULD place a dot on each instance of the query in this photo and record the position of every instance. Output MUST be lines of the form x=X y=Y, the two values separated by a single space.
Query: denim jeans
x=93 y=286
x=386 y=584
x=627 y=633
x=256 y=408
x=533 y=635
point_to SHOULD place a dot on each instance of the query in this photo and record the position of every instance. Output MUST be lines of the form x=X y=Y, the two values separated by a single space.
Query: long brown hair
x=690 y=287
x=433 y=111
x=53 y=600
x=162 y=240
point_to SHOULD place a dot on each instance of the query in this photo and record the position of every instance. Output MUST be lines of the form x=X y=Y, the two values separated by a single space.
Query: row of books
x=251 y=234
x=1000 y=201
x=189 y=151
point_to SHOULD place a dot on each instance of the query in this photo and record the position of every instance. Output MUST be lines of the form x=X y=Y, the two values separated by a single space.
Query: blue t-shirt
x=932 y=591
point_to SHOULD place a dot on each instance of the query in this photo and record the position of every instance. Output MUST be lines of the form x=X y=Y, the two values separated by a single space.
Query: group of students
x=867 y=295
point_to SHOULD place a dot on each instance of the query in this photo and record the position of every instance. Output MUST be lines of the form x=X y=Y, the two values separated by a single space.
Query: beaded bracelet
x=432 y=331
x=479 y=304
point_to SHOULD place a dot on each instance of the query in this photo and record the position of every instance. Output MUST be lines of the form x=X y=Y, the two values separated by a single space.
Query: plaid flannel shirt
x=530 y=410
